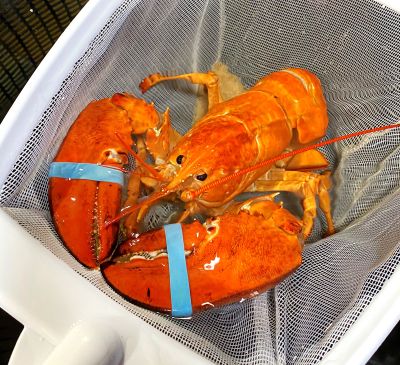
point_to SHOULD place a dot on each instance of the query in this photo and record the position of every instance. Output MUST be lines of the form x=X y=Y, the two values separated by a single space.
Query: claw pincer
x=228 y=258
x=85 y=185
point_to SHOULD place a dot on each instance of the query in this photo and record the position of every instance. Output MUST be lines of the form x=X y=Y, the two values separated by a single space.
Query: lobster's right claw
x=228 y=258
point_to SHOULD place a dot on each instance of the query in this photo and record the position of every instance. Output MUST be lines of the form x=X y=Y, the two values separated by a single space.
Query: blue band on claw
x=86 y=171
x=178 y=276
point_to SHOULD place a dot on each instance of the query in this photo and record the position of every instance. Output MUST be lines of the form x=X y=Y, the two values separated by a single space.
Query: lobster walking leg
x=325 y=200
x=209 y=79
x=306 y=185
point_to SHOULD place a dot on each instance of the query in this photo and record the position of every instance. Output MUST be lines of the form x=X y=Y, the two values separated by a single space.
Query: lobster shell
x=232 y=257
x=80 y=208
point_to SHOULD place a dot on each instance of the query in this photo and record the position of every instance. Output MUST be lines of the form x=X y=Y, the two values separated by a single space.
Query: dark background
x=28 y=29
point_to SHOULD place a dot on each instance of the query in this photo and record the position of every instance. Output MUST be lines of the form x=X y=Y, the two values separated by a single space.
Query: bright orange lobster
x=243 y=248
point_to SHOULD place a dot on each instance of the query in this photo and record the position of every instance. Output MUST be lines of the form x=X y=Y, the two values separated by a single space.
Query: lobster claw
x=228 y=258
x=83 y=193
x=80 y=209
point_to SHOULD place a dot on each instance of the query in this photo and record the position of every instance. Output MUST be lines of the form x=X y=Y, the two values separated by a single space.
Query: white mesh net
x=353 y=47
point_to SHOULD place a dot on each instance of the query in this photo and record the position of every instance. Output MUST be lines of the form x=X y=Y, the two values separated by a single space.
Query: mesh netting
x=353 y=47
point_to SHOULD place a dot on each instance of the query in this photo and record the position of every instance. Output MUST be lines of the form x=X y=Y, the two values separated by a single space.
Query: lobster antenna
x=118 y=168
x=193 y=194
x=145 y=165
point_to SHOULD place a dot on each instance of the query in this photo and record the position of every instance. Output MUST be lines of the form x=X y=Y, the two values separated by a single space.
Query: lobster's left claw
x=228 y=258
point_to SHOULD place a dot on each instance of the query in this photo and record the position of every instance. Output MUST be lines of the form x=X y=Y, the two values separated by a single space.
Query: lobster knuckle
x=215 y=78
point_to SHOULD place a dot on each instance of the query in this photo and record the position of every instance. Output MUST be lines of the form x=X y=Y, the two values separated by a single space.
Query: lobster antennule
x=191 y=195
x=118 y=168
x=130 y=209
x=228 y=258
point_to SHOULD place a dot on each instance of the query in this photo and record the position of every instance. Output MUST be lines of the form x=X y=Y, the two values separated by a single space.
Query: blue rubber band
x=86 y=171
x=178 y=276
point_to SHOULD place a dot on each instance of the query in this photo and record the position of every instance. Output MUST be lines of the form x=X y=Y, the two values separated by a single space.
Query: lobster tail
x=299 y=93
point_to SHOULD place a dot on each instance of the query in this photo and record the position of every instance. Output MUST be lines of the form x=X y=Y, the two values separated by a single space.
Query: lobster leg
x=306 y=185
x=209 y=79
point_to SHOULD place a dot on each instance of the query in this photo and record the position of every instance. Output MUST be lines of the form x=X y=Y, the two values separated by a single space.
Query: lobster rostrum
x=242 y=248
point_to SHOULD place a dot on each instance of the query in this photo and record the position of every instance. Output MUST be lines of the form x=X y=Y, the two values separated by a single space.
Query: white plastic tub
x=60 y=309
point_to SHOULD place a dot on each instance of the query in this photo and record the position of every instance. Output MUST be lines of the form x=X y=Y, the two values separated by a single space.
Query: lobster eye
x=179 y=159
x=201 y=177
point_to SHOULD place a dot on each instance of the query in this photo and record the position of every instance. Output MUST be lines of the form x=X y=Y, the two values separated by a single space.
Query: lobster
x=242 y=248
